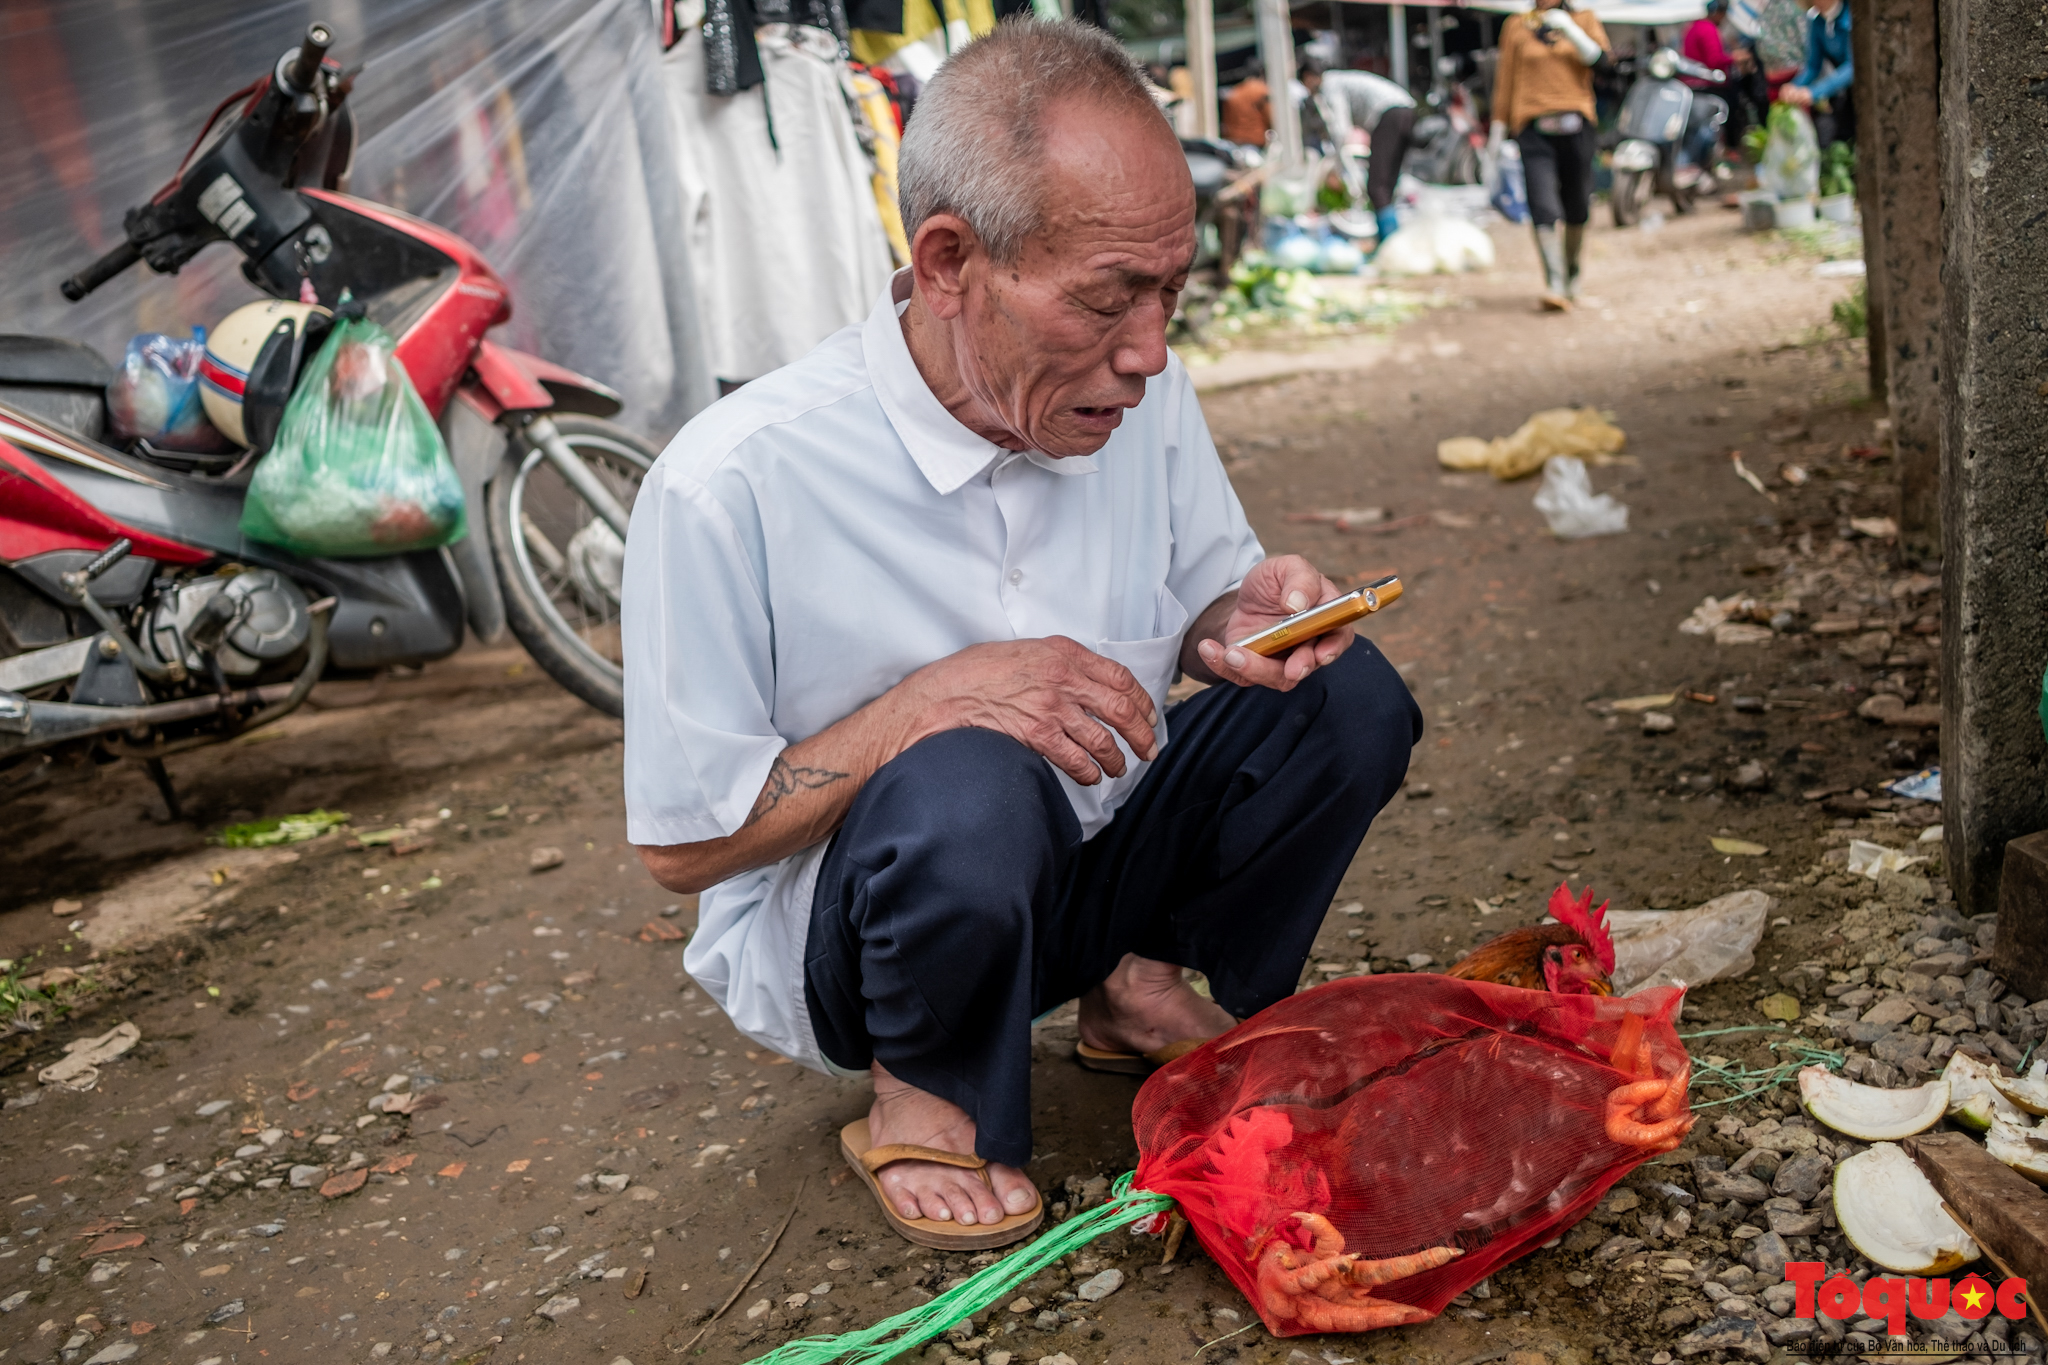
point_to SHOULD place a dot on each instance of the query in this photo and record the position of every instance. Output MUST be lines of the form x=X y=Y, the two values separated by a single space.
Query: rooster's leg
x=1659 y=1133
x=1363 y=1316
x=1367 y=1274
x=1310 y=1278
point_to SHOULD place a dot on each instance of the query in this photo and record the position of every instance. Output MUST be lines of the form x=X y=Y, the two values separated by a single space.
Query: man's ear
x=939 y=260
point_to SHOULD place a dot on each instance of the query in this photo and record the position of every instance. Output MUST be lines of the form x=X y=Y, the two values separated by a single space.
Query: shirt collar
x=945 y=451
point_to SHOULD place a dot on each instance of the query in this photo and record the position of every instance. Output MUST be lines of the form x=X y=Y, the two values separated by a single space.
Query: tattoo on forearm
x=784 y=780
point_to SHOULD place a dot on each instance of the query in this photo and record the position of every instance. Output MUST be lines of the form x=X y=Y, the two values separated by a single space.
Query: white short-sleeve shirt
x=809 y=541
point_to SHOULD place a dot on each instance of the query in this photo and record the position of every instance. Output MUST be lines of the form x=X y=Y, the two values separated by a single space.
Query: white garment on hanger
x=786 y=240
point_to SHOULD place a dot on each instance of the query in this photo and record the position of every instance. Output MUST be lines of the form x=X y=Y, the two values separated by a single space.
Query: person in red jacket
x=1703 y=44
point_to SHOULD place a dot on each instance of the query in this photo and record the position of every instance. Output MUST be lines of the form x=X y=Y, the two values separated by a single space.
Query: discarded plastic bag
x=1790 y=168
x=1568 y=503
x=358 y=467
x=1868 y=860
x=155 y=394
x=79 y=1068
x=1687 y=948
x=1581 y=432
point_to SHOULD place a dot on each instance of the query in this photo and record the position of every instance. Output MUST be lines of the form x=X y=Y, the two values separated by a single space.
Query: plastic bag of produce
x=155 y=394
x=358 y=468
x=1791 y=164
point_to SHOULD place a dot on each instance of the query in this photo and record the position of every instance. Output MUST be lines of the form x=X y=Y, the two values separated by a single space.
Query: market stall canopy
x=536 y=129
x=1657 y=12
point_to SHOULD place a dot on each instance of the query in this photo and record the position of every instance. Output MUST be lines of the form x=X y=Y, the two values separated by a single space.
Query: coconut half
x=1973 y=1097
x=2029 y=1092
x=2023 y=1149
x=1890 y=1212
x=1866 y=1112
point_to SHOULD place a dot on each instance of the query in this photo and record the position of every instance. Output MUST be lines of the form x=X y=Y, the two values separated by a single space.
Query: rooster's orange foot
x=1651 y=1113
x=1324 y=1290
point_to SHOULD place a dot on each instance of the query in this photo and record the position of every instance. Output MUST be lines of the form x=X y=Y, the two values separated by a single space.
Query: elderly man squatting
x=899 y=623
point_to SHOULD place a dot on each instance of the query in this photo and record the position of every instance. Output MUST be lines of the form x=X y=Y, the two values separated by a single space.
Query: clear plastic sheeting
x=536 y=129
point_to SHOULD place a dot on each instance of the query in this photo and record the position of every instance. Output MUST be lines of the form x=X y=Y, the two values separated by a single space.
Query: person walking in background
x=1823 y=85
x=1376 y=108
x=1248 y=110
x=1543 y=96
x=1703 y=44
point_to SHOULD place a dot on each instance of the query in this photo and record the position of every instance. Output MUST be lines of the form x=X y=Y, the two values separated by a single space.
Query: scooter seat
x=52 y=360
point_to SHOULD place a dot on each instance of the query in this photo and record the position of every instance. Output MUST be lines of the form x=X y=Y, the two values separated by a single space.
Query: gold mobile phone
x=1306 y=625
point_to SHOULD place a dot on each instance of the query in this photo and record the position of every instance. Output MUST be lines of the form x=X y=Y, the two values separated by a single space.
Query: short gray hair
x=973 y=146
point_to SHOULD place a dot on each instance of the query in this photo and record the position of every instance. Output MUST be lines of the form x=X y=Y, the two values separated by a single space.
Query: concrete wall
x=1898 y=147
x=1994 y=458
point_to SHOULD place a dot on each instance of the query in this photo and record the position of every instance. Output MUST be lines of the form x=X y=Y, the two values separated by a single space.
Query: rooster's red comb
x=1581 y=918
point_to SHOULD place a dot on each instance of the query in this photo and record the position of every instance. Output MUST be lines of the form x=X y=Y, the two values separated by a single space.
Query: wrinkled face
x=1055 y=347
x=1571 y=969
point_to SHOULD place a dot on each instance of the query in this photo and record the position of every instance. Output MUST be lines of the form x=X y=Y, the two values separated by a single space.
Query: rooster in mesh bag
x=1574 y=956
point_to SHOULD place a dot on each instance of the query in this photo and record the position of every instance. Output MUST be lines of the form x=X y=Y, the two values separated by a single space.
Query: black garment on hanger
x=732 y=61
x=876 y=16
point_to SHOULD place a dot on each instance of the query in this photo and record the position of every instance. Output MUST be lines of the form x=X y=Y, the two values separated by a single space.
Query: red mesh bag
x=1359 y=1154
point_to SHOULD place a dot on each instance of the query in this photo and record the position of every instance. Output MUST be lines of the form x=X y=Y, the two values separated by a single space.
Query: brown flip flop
x=1133 y=1063
x=866 y=1159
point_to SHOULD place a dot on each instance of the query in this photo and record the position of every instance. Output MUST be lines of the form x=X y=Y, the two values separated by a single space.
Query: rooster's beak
x=1599 y=985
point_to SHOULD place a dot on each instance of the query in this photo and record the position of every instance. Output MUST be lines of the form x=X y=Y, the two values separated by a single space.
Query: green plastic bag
x=358 y=468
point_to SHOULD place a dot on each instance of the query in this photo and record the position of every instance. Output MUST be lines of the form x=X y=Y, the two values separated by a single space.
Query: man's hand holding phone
x=1274 y=590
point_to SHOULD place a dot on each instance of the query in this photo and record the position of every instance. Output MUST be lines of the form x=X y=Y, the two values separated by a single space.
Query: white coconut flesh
x=1890 y=1212
x=2029 y=1092
x=2023 y=1149
x=1868 y=1113
x=1973 y=1097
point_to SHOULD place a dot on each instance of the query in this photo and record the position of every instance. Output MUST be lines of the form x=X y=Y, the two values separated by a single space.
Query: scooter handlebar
x=306 y=61
x=101 y=270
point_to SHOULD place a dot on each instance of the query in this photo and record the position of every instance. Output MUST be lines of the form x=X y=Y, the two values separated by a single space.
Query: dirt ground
x=595 y=1161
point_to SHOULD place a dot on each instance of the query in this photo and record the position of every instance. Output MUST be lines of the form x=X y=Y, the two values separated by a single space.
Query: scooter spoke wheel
x=560 y=564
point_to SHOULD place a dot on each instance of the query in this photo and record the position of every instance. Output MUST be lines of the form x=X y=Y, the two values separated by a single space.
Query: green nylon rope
x=908 y=1330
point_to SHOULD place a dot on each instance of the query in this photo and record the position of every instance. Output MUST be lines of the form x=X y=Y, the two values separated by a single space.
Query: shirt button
x=1016 y=577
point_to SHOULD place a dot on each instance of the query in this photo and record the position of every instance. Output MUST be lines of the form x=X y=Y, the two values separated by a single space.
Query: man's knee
x=973 y=808
x=1369 y=708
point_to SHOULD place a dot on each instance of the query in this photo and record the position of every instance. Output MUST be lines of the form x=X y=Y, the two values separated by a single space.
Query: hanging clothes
x=883 y=27
x=882 y=134
x=785 y=236
x=732 y=56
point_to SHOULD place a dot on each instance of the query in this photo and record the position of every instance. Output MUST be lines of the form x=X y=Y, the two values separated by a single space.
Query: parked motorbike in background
x=1446 y=145
x=135 y=618
x=1661 y=118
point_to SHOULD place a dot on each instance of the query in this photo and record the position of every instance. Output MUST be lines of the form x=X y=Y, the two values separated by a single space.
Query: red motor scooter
x=136 y=620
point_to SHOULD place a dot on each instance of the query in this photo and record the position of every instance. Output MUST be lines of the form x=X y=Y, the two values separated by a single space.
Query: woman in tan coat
x=1543 y=97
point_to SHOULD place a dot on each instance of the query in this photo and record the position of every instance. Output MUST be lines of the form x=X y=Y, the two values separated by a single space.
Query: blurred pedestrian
x=1543 y=96
x=1823 y=86
x=1373 y=107
x=1248 y=110
x=1315 y=129
x=1703 y=44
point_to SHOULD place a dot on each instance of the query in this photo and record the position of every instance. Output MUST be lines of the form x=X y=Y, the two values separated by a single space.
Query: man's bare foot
x=1144 y=1005
x=925 y=1189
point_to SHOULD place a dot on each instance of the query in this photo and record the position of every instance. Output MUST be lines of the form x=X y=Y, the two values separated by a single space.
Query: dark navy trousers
x=958 y=901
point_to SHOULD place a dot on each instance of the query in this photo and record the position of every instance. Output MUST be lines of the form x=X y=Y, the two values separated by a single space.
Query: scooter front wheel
x=559 y=561
x=1627 y=196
